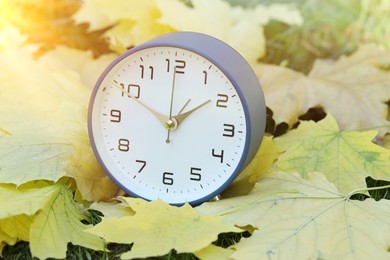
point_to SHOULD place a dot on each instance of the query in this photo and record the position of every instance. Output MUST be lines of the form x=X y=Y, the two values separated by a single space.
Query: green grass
x=19 y=251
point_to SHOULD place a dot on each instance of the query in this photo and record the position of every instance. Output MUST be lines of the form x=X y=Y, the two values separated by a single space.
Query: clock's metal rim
x=187 y=41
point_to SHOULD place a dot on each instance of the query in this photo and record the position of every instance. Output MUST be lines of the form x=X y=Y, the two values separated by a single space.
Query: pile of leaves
x=317 y=188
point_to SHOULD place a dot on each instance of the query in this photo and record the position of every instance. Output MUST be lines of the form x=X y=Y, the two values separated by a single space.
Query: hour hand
x=180 y=117
x=160 y=117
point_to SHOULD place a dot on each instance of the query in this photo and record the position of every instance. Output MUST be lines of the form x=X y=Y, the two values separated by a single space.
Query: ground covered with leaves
x=318 y=187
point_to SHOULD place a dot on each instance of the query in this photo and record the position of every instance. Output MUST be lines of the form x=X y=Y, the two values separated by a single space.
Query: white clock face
x=168 y=124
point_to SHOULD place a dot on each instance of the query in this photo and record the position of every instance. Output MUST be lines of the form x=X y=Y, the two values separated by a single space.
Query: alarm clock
x=176 y=118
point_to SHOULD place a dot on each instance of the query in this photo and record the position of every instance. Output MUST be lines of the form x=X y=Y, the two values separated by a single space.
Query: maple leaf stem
x=372 y=128
x=319 y=213
x=5 y=131
x=349 y=195
x=347 y=199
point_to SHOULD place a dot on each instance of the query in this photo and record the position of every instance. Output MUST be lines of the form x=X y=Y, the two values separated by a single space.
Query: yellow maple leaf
x=47 y=216
x=234 y=25
x=101 y=14
x=44 y=113
x=57 y=224
x=258 y=167
x=27 y=201
x=5 y=239
x=113 y=208
x=346 y=158
x=353 y=89
x=88 y=68
x=157 y=227
x=213 y=252
x=14 y=229
x=30 y=158
x=92 y=182
x=134 y=22
x=18 y=210
x=298 y=218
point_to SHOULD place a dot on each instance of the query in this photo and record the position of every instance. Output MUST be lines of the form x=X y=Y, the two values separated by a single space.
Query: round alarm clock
x=176 y=118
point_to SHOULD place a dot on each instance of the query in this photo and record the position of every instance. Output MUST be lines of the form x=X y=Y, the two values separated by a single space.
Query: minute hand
x=180 y=117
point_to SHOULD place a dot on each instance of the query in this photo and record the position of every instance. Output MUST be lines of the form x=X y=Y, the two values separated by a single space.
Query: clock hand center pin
x=172 y=123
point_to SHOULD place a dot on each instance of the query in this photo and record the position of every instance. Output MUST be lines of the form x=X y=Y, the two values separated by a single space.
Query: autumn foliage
x=327 y=131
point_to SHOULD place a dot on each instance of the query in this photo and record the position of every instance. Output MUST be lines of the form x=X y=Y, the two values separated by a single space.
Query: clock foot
x=216 y=198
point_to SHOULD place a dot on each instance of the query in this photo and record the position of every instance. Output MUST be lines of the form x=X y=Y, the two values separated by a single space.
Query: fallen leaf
x=11 y=38
x=92 y=182
x=229 y=24
x=88 y=68
x=128 y=27
x=5 y=239
x=42 y=158
x=15 y=228
x=309 y=218
x=113 y=209
x=346 y=157
x=213 y=252
x=258 y=167
x=354 y=89
x=57 y=224
x=157 y=227
x=239 y=27
x=120 y=36
x=100 y=14
x=34 y=137
x=46 y=216
x=27 y=201
x=48 y=133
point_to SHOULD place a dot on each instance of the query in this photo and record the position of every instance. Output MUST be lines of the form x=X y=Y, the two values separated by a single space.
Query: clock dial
x=168 y=124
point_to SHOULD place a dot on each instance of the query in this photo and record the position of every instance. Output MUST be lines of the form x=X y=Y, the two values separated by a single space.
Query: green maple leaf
x=298 y=218
x=346 y=158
